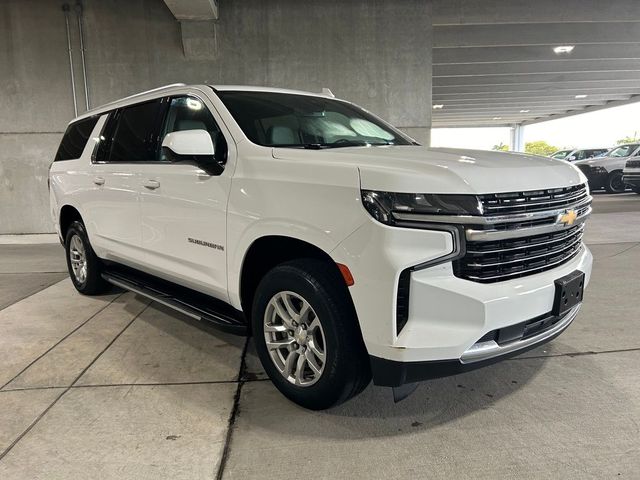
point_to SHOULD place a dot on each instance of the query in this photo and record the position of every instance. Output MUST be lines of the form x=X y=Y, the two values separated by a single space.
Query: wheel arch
x=268 y=251
x=68 y=214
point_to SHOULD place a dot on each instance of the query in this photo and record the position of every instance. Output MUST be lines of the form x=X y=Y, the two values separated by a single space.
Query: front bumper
x=391 y=373
x=632 y=179
x=447 y=316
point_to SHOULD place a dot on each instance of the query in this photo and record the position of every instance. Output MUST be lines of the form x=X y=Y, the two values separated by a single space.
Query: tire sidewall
x=612 y=176
x=93 y=284
x=325 y=391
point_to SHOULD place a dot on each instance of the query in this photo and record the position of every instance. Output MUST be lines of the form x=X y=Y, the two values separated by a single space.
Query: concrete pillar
x=517 y=138
x=376 y=54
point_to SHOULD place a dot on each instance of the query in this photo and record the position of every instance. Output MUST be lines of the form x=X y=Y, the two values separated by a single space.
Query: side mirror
x=192 y=146
x=571 y=158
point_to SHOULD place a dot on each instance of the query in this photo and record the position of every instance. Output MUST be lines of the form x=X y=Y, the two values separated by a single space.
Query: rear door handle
x=151 y=184
x=98 y=180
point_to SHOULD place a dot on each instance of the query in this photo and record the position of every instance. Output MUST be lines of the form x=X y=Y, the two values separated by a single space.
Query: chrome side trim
x=486 y=350
x=474 y=235
x=458 y=247
x=491 y=220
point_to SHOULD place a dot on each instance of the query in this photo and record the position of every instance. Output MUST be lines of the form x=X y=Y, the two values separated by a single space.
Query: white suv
x=348 y=251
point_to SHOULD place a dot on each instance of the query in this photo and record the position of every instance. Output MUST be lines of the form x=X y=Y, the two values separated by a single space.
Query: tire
x=335 y=348
x=614 y=183
x=84 y=266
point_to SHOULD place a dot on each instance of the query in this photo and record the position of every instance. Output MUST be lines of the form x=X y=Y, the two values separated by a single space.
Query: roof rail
x=135 y=95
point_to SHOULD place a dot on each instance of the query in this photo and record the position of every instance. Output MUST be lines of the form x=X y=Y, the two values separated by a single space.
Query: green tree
x=501 y=147
x=540 y=147
x=633 y=139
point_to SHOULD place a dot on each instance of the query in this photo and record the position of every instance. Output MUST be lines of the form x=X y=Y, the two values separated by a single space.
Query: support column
x=418 y=119
x=517 y=138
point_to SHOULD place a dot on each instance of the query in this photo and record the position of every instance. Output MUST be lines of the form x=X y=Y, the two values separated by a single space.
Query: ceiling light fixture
x=497 y=118
x=560 y=49
x=581 y=96
x=525 y=111
x=438 y=106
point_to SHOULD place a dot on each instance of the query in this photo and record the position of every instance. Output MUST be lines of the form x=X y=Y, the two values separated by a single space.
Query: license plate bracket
x=569 y=292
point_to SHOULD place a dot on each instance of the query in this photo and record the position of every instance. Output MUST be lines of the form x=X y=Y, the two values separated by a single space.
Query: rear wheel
x=83 y=264
x=614 y=183
x=307 y=336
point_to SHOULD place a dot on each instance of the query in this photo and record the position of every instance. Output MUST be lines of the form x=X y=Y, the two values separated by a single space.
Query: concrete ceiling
x=494 y=64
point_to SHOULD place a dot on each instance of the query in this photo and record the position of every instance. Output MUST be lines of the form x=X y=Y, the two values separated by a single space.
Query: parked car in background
x=606 y=172
x=571 y=155
x=631 y=174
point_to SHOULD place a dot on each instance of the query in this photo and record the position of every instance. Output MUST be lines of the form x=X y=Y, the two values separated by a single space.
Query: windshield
x=561 y=154
x=304 y=121
x=623 y=151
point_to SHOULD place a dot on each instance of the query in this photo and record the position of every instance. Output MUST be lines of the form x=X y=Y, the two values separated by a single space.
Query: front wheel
x=83 y=264
x=307 y=335
x=614 y=183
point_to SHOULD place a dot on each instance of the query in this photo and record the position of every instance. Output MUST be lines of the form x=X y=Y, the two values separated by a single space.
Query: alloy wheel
x=294 y=338
x=78 y=258
x=617 y=184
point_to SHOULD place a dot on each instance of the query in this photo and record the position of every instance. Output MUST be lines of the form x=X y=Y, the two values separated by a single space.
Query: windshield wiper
x=338 y=144
x=314 y=146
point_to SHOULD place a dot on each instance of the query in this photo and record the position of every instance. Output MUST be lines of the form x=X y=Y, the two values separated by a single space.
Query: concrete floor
x=115 y=387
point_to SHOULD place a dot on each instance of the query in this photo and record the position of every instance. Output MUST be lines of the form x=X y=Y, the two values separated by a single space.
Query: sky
x=594 y=129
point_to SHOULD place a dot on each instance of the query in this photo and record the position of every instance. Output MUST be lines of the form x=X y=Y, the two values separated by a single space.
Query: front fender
x=266 y=228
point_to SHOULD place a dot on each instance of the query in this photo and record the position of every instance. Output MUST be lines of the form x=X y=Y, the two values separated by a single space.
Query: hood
x=415 y=169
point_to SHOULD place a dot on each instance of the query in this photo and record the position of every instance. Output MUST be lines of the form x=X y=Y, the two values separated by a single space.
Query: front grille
x=632 y=164
x=532 y=201
x=512 y=258
x=520 y=234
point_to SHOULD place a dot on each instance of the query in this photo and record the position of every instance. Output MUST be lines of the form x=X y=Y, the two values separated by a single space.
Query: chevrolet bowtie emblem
x=568 y=217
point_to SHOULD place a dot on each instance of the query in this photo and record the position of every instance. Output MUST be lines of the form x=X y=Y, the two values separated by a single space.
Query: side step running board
x=193 y=304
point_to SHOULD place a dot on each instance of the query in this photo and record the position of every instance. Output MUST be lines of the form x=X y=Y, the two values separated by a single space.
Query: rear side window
x=75 y=138
x=135 y=138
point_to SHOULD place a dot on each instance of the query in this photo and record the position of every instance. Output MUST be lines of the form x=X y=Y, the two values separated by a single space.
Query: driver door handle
x=151 y=184
x=98 y=180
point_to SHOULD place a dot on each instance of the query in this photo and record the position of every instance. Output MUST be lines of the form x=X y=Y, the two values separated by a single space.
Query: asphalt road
x=608 y=203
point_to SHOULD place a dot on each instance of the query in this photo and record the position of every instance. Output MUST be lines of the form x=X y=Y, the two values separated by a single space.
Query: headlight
x=386 y=206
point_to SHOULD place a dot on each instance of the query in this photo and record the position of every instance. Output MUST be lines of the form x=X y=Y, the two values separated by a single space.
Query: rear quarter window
x=75 y=138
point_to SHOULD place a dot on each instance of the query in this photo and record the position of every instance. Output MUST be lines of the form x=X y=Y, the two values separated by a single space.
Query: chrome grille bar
x=575 y=241
x=522 y=234
x=529 y=271
x=492 y=219
x=529 y=245
x=521 y=202
x=477 y=235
